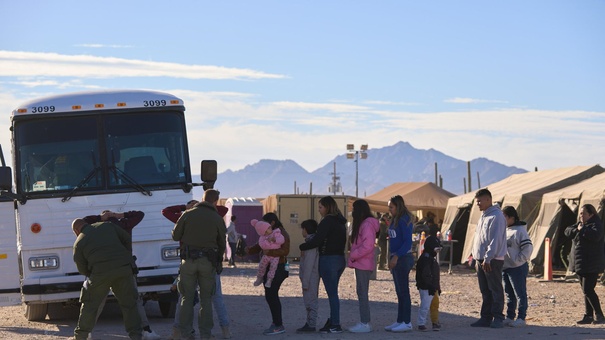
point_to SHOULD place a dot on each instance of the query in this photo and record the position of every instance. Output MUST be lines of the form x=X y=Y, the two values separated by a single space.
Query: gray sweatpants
x=362 y=277
x=311 y=300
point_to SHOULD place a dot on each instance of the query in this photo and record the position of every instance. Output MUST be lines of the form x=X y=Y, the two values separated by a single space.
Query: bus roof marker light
x=121 y=104
x=76 y=107
x=99 y=106
x=36 y=228
x=22 y=111
x=174 y=102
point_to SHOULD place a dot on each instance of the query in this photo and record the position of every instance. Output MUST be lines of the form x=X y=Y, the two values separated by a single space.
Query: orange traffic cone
x=547 y=260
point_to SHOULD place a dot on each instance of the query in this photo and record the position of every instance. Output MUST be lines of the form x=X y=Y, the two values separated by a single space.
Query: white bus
x=79 y=154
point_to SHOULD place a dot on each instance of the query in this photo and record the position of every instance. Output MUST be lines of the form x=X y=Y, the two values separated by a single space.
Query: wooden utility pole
x=478 y=181
x=468 y=167
x=464 y=183
x=436 y=174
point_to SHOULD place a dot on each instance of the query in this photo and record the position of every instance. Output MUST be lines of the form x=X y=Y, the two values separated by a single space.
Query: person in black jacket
x=589 y=260
x=427 y=280
x=330 y=240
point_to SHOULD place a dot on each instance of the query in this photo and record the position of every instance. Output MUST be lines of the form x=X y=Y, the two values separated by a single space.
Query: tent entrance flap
x=458 y=232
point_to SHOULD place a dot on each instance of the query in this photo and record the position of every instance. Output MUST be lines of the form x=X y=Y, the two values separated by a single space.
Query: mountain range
x=384 y=166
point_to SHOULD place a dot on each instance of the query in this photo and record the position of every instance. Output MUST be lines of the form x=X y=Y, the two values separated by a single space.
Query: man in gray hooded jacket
x=489 y=249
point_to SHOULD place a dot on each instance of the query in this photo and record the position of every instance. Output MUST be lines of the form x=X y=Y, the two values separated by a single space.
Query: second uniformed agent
x=201 y=232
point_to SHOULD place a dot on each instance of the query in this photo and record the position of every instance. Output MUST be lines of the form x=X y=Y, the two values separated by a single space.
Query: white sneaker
x=151 y=335
x=390 y=327
x=89 y=336
x=518 y=323
x=507 y=322
x=403 y=327
x=361 y=328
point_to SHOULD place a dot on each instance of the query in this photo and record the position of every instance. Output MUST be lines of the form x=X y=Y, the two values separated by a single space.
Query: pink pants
x=272 y=262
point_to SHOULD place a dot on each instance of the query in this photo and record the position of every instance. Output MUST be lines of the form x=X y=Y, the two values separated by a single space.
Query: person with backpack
x=232 y=237
x=428 y=282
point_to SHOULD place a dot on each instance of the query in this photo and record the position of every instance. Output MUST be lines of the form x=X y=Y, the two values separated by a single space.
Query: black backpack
x=240 y=247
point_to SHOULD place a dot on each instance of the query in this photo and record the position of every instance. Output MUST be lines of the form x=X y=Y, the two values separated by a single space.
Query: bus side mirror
x=209 y=173
x=6 y=178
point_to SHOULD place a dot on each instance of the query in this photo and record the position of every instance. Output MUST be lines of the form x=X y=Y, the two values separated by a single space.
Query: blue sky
x=518 y=82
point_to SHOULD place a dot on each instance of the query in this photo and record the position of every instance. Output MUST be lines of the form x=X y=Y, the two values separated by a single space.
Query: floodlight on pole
x=356 y=154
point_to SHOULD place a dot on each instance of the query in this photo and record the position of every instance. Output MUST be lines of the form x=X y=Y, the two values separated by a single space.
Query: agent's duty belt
x=196 y=254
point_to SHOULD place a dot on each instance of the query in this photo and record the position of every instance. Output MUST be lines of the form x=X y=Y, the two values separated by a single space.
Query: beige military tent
x=420 y=197
x=558 y=210
x=522 y=191
x=455 y=221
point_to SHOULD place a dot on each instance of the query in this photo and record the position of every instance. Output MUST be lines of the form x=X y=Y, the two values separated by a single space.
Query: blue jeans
x=516 y=290
x=401 y=278
x=330 y=270
x=492 y=291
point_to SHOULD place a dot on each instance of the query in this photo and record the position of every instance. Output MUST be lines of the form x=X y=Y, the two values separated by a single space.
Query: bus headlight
x=171 y=253
x=42 y=263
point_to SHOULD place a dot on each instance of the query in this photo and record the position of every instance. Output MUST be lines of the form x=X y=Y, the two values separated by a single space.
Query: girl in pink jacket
x=363 y=238
x=269 y=239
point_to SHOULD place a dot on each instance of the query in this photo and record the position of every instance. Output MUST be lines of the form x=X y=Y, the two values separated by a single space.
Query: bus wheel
x=167 y=308
x=36 y=312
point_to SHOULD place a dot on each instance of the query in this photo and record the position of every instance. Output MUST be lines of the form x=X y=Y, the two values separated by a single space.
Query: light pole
x=356 y=154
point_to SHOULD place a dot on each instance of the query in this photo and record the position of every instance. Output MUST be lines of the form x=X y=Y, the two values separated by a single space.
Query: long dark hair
x=402 y=210
x=510 y=211
x=361 y=211
x=330 y=204
x=272 y=219
x=589 y=208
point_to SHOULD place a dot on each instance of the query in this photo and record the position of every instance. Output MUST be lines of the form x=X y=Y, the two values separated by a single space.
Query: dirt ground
x=553 y=309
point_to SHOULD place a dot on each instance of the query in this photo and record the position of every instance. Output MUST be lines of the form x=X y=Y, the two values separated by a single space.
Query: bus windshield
x=101 y=151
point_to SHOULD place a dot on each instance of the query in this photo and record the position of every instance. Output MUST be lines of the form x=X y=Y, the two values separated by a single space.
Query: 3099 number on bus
x=156 y=102
x=40 y=109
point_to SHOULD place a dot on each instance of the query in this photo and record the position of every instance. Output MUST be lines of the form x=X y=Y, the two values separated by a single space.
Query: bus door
x=10 y=291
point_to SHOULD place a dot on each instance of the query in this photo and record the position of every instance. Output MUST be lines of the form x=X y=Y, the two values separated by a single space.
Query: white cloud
x=33 y=64
x=55 y=84
x=459 y=100
x=519 y=137
x=238 y=129
x=103 y=46
x=382 y=102
x=333 y=107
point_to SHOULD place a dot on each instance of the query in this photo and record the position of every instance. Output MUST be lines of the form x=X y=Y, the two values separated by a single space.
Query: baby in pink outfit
x=269 y=239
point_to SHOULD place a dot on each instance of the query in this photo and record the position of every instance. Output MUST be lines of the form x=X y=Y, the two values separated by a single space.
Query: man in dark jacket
x=589 y=260
x=103 y=253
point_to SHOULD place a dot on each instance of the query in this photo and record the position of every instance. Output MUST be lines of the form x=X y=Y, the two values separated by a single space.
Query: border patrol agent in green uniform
x=201 y=231
x=103 y=253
